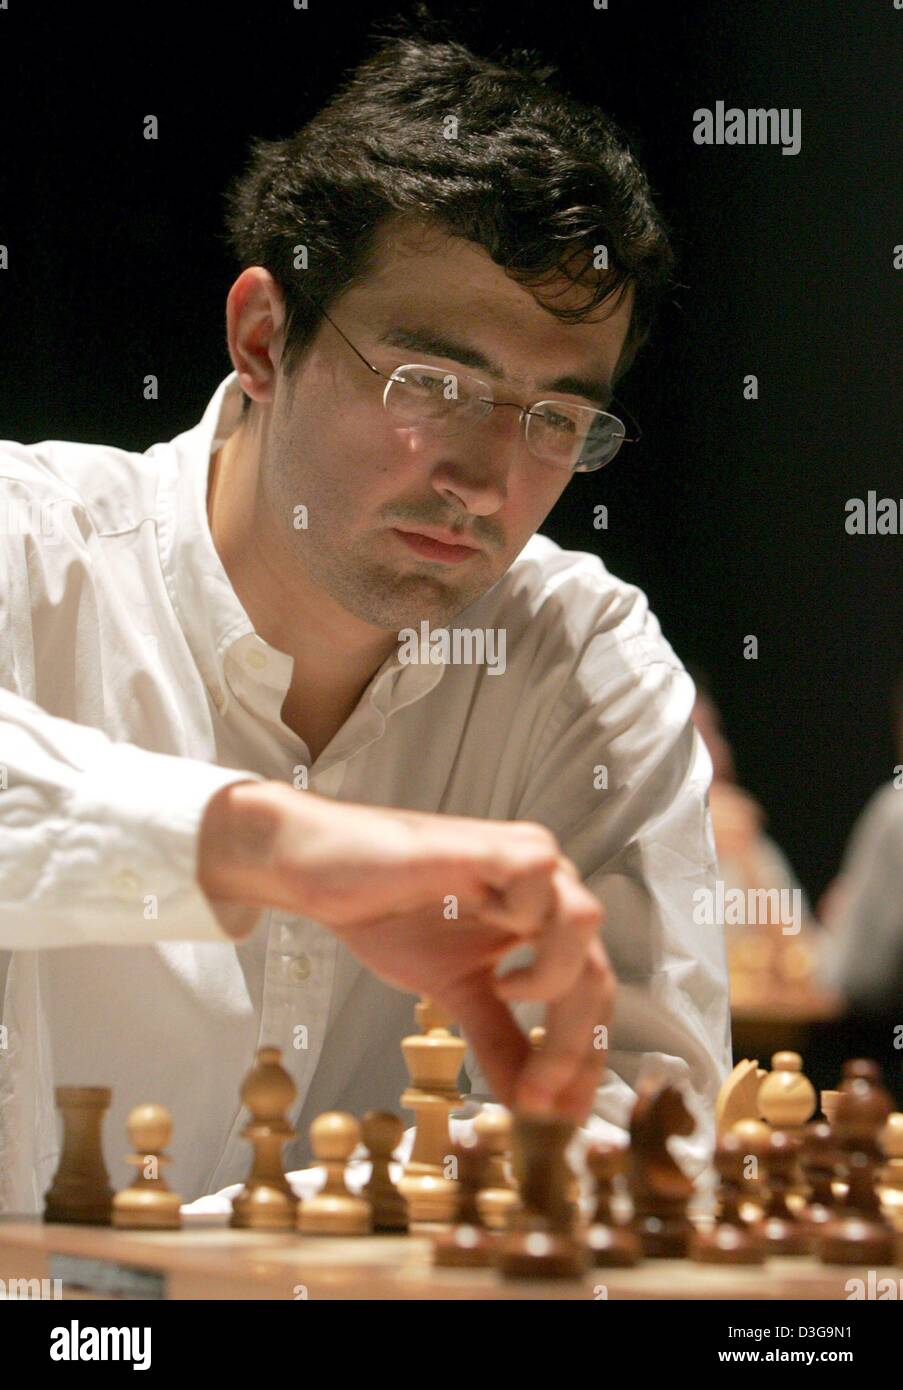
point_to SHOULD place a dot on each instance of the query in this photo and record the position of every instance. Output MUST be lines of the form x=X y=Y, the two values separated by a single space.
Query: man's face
x=329 y=443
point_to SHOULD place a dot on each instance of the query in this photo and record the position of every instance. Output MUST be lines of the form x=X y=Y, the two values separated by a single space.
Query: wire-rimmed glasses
x=574 y=438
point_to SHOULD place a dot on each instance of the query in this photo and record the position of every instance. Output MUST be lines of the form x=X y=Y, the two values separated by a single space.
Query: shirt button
x=256 y=659
x=125 y=884
x=219 y=700
x=300 y=969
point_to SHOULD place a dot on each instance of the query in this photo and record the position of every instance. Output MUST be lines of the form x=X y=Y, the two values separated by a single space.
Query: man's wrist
x=236 y=840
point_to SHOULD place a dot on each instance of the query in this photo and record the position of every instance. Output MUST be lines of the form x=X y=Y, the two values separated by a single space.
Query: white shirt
x=133 y=685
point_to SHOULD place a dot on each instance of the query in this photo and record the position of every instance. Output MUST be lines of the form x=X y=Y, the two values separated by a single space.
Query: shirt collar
x=207 y=606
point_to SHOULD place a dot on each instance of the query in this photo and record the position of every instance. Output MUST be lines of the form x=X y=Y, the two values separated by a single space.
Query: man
x=748 y=858
x=220 y=750
x=863 y=953
x=862 y=909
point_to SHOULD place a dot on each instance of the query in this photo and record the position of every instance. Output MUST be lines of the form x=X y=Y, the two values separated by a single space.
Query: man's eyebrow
x=434 y=344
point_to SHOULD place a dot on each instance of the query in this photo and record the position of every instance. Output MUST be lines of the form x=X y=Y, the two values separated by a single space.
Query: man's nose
x=480 y=460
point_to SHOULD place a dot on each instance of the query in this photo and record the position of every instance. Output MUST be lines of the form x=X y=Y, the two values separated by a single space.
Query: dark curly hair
x=534 y=176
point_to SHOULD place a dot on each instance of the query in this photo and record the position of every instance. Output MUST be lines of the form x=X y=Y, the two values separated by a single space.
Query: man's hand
x=431 y=904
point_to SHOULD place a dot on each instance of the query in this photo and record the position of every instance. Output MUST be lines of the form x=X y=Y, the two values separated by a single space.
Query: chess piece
x=81 y=1191
x=498 y=1200
x=541 y=1243
x=737 y=1098
x=334 y=1211
x=433 y=1058
x=781 y=1229
x=786 y=1098
x=537 y=1040
x=266 y=1202
x=859 y=1232
x=382 y=1133
x=148 y=1204
x=469 y=1244
x=754 y=1136
x=829 y=1103
x=818 y=1161
x=659 y=1187
x=612 y=1244
x=890 y=1180
x=786 y=1101
x=731 y=1240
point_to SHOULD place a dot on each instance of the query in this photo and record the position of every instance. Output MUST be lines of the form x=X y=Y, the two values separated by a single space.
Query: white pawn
x=148 y=1204
x=498 y=1201
x=267 y=1202
x=334 y=1211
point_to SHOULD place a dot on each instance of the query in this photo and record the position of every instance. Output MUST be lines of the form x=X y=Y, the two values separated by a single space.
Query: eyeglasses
x=574 y=438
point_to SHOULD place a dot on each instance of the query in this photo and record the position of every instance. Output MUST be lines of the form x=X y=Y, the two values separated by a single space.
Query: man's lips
x=435 y=533
x=430 y=547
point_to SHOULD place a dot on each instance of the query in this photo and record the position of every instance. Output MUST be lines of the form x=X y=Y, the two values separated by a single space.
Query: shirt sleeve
x=98 y=840
x=622 y=780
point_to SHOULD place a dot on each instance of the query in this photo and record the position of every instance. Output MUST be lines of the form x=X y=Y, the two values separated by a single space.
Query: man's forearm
x=237 y=839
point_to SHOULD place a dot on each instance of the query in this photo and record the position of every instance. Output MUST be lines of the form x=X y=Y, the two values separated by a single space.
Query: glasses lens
x=440 y=401
x=604 y=438
x=573 y=436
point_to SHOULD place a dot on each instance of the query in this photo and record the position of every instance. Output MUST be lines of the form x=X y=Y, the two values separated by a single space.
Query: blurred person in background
x=773 y=949
x=747 y=857
x=862 y=910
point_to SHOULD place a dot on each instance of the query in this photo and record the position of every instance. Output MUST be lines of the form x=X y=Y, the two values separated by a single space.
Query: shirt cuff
x=138 y=816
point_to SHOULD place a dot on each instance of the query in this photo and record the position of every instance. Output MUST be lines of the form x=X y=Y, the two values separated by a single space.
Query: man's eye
x=556 y=421
x=426 y=382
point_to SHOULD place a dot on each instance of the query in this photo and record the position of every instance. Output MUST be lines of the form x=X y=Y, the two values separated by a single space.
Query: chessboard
x=209 y=1260
x=797 y=1207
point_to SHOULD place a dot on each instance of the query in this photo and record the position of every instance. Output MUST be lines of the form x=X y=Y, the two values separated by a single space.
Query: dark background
x=729 y=513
